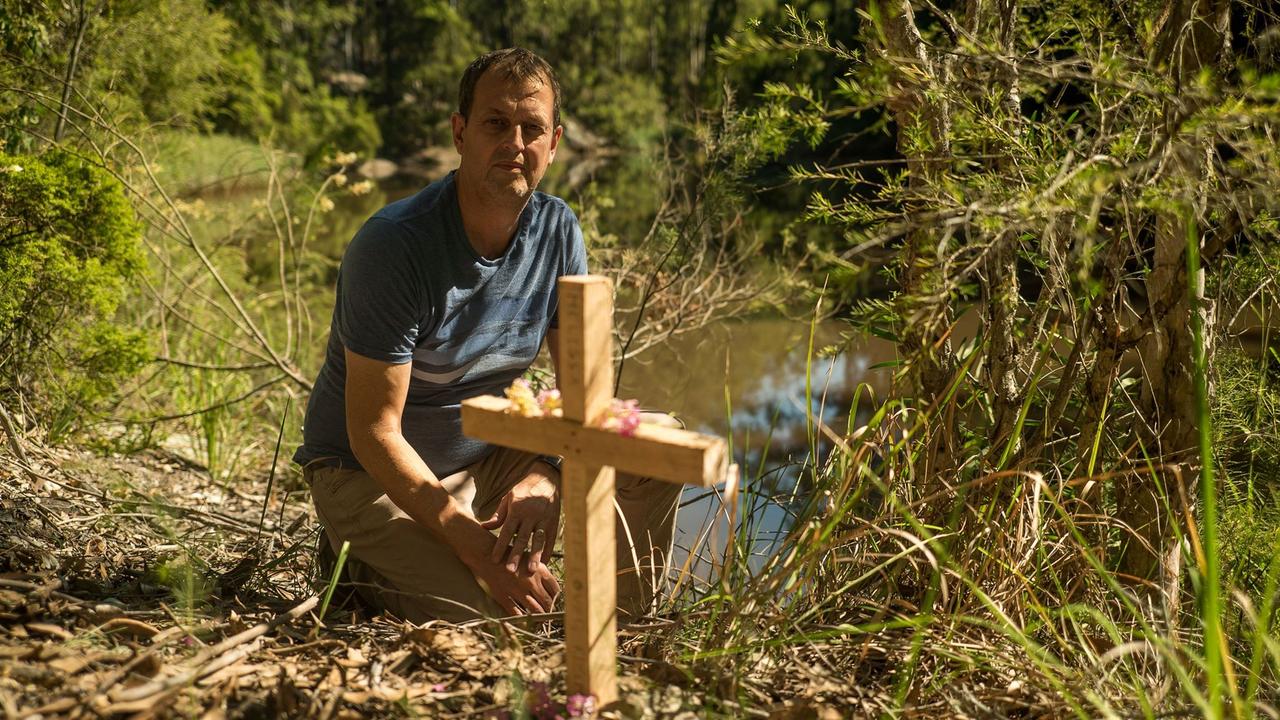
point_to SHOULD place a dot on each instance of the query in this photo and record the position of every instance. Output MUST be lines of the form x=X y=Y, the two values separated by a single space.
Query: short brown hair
x=516 y=64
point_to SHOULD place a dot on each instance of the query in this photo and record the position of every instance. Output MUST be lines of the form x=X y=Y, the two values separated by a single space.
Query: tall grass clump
x=1044 y=513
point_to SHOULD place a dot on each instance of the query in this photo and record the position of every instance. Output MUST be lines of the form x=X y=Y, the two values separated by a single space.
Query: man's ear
x=555 y=143
x=458 y=123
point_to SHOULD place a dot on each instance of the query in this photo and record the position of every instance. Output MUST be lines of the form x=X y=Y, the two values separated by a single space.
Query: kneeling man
x=445 y=295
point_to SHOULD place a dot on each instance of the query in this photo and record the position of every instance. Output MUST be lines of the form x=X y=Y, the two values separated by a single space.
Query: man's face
x=509 y=139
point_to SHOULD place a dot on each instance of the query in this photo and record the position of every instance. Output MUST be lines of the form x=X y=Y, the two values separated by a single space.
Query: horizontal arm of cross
x=676 y=456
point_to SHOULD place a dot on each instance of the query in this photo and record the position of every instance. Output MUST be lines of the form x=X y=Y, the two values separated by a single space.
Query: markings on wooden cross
x=591 y=454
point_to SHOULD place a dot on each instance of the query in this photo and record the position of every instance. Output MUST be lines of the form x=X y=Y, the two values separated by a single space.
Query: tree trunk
x=992 y=23
x=1193 y=37
x=82 y=22
x=923 y=307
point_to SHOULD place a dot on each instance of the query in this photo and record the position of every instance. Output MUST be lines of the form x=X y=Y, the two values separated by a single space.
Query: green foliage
x=24 y=40
x=320 y=124
x=417 y=88
x=187 y=578
x=160 y=59
x=255 y=102
x=1247 y=418
x=69 y=248
x=626 y=108
x=244 y=104
x=273 y=87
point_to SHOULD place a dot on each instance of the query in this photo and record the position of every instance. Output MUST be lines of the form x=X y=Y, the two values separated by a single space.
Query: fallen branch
x=221 y=520
x=212 y=658
x=14 y=444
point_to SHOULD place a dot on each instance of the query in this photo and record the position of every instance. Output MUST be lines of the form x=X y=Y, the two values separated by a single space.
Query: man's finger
x=509 y=605
x=553 y=529
x=540 y=547
x=499 y=515
x=504 y=541
x=540 y=593
x=532 y=604
x=549 y=544
x=550 y=585
x=519 y=546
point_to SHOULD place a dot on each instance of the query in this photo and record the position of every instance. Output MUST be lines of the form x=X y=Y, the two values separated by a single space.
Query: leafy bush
x=625 y=108
x=295 y=113
x=165 y=68
x=69 y=246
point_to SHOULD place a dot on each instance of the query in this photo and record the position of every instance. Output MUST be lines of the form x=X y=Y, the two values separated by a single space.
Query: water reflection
x=746 y=381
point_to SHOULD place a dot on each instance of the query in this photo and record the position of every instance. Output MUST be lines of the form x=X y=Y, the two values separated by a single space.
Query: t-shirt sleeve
x=575 y=257
x=380 y=302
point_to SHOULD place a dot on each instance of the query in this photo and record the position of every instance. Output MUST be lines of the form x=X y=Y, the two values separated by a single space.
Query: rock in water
x=378 y=169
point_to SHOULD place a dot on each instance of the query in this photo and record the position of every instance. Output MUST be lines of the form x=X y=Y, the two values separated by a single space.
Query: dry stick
x=31 y=587
x=223 y=520
x=221 y=404
x=12 y=434
x=214 y=657
x=211 y=366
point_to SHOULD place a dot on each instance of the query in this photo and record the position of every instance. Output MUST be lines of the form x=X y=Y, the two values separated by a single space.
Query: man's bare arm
x=553 y=348
x=528 y=516
x=375 y=398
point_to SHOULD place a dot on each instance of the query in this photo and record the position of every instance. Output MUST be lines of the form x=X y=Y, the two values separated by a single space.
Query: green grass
x=334 y=576
x=193 y=162
x=924 y=600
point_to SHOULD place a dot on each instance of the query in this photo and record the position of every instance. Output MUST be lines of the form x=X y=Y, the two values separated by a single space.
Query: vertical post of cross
x=586 y=386
x=591 y=454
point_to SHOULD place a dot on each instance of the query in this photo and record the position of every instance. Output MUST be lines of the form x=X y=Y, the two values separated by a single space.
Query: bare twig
x=212 y=658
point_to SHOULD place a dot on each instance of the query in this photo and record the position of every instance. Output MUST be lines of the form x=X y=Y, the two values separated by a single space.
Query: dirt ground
x=135 y=586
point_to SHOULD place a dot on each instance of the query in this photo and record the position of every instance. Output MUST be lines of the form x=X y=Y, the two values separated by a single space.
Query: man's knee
x=632 y=489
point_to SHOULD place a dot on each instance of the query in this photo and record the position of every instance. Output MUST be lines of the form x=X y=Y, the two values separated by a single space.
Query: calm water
x=745 y=380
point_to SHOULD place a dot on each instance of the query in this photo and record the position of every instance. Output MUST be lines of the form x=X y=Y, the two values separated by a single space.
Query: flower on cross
x=622 y=417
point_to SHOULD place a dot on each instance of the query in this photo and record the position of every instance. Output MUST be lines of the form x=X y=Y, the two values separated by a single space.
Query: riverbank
x=132 y=586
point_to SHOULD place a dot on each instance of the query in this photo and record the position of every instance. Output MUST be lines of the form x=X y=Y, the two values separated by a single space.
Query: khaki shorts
x=399 y=567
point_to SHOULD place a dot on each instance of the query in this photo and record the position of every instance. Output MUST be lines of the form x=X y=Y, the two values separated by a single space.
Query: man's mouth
x=512 y=166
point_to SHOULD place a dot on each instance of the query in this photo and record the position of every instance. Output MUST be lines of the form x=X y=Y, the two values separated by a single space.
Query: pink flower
x=539 y=703
x=581 y=705
x=550 y=401
x=623 y=417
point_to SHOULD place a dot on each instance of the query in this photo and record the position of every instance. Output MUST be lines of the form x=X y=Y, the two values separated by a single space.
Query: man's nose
x=514 y=138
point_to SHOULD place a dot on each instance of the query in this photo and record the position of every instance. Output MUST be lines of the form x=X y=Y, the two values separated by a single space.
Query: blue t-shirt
x=412 y=289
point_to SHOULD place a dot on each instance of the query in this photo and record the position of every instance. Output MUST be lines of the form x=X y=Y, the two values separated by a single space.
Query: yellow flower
x=522 y=399
x=362 y=188
x=324 y=205
x=551 y=403
x=339 y=179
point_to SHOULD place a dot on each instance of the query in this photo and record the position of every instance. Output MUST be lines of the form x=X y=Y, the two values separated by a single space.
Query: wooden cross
x=591 y=454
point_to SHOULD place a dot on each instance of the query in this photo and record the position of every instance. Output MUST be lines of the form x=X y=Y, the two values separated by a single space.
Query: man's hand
x=517 y=592
x=528 y=516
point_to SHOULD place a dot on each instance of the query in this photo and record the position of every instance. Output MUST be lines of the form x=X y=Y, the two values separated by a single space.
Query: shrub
x=69 y=246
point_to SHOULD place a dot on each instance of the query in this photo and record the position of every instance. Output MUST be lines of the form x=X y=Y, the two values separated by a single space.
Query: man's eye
x=533 y=130
x=495 y=122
